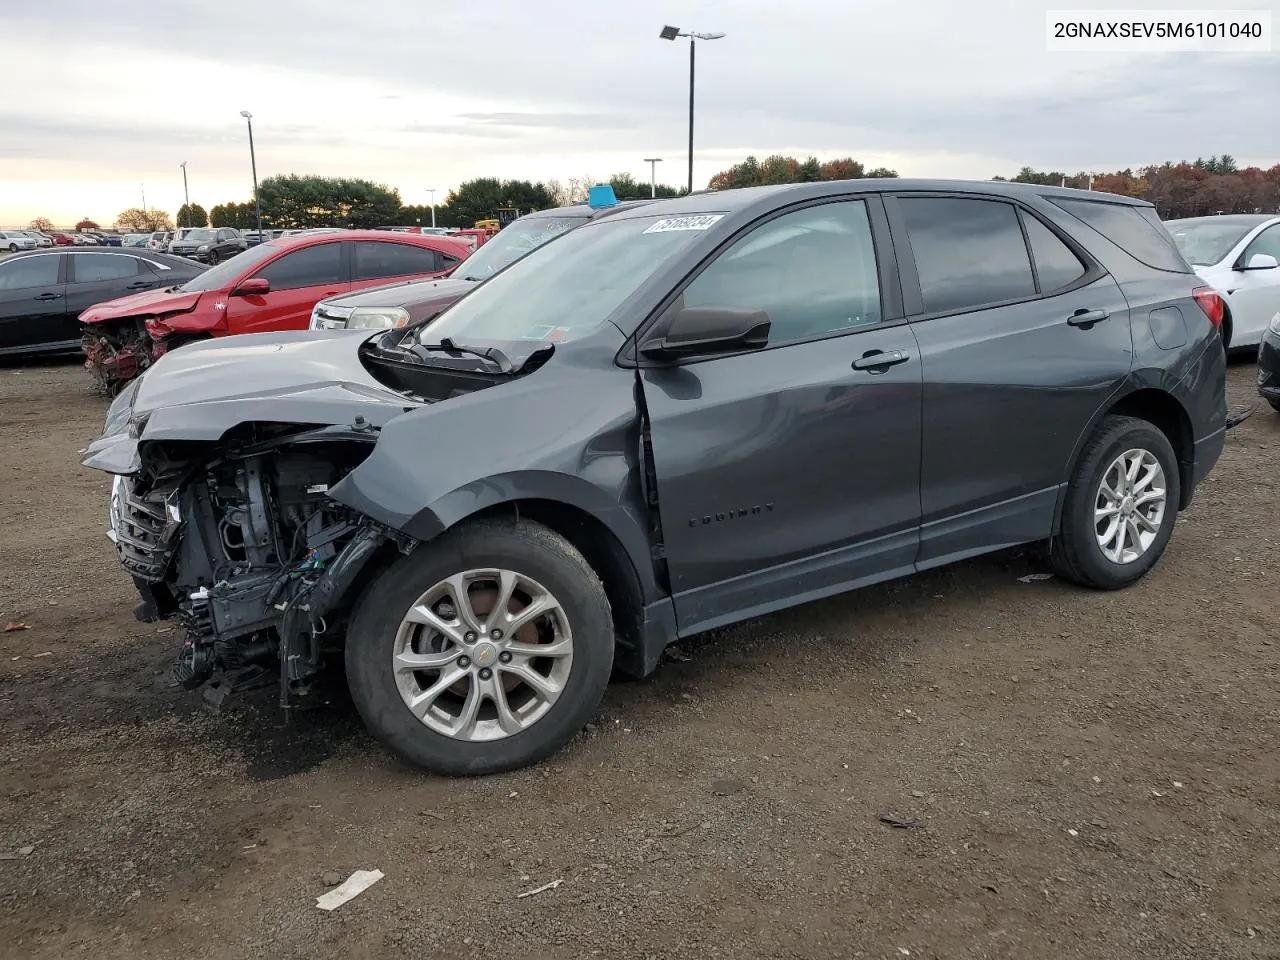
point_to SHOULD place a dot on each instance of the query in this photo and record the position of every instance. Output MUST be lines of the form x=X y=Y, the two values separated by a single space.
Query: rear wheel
x=1121 y=506
x=1275 y=404
x=482 y=651
x=13 y=248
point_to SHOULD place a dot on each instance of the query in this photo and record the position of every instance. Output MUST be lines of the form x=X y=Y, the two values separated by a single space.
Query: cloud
x=403 y=91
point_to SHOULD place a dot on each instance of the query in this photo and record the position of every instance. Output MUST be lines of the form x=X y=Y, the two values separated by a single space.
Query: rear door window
x=308 y=267
x=99 y=267
x=969 y=253
x=1268 y=241
x=1130 y=228
x=376 y=258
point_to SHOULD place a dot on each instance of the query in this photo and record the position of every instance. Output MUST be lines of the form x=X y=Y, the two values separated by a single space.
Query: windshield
x=220 y=276
x=196 y=236
x=1205 y=242
x=513 y=243
x=563 y=291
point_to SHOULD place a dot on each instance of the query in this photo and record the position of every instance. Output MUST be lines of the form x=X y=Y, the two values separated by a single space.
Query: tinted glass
x=221 y=276
x=969 y=253
x=568 y=288
x=812 y=271
x=97 y=267
x=309 y=267
x=1128 y=228
x=1268 y=241
x=27 y=272
x=374 y=259
x=1056 y=265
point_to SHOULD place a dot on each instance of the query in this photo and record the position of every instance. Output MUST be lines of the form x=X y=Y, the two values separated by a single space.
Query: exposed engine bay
x=116 y=353
x=240 y=543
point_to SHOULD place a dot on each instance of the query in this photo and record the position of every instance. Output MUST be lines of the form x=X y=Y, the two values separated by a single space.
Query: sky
x=104 y=100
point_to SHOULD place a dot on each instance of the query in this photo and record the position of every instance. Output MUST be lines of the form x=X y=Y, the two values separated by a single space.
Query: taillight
x=1211 y=302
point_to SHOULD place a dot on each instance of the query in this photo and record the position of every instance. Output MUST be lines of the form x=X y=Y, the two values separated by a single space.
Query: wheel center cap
x=485 y=654
x=1127 y=507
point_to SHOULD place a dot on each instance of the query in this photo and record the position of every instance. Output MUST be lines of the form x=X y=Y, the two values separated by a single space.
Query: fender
x=567 y=434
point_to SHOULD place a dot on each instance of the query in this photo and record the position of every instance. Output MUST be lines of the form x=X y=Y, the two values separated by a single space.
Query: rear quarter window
x=1128 y=227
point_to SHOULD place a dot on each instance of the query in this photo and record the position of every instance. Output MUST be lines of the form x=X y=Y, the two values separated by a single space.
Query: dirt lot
x=1095 y=775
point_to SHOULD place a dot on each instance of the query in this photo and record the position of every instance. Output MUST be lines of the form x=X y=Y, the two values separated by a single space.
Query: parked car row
x=272 y=286
x=659 y=420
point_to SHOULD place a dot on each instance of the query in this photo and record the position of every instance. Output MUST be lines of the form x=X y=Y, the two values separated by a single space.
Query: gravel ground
x=1094 y=775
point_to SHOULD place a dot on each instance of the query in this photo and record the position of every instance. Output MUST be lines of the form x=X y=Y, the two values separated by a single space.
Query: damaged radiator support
x=304 y=614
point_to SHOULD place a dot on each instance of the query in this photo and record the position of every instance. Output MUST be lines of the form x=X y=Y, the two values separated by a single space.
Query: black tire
x=13 y=248
x=528 y=548
x=1275 y=404
x=213 y=258
x=1075 y=554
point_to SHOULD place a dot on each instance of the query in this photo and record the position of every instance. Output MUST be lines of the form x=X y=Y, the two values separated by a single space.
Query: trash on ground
x=15 y=627
x=1034 y=577
x=356 y=884
x=899 y=822
x=47 y=653
x=542 y=889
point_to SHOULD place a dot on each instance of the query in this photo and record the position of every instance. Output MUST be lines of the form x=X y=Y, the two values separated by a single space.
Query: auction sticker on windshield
x=703 y=222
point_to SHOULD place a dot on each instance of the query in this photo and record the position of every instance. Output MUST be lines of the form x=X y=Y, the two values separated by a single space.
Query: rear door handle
x=878 y=361
x=139 y=285
x=49 y=296
x=1087 y=318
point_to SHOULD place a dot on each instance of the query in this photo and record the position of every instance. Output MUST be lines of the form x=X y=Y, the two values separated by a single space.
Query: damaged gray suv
x=674 y=418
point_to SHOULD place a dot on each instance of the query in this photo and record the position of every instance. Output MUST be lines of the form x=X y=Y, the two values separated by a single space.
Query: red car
x=269 y=287
x=63 y=240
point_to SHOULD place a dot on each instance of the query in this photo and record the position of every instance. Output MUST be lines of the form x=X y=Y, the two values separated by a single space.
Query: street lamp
x=670 y=33
x=257 y=203
x=431 y=190
x=185 y=195
x=653 y=176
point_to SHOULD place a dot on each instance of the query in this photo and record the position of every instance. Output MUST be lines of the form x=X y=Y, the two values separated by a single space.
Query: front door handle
x=49 y=296
x=139 y=285
x=1087 y=318
x=878 y=361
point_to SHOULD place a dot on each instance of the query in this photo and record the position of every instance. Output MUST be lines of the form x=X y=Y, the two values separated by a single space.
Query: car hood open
x=200 y=391
x=146 y=303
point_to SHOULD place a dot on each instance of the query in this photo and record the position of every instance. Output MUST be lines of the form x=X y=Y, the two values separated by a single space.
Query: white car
x=41 y=239
x=1239 y=256
x=14 y=240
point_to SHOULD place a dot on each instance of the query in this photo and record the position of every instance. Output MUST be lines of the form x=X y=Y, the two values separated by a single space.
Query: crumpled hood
x=202 y=390
x=409 y=294
x=148 y=302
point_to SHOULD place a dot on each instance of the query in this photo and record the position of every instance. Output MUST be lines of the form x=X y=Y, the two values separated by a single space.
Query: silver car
x=15 y=240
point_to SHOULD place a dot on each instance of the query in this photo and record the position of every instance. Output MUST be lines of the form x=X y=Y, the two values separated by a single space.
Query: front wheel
x=483 y=651
x=1122 y=503
x=213 y=258
x=1275 y=404
x=13 y=248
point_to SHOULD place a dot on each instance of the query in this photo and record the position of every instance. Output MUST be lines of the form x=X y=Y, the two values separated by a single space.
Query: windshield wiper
x=449 y=345
x=474 y=279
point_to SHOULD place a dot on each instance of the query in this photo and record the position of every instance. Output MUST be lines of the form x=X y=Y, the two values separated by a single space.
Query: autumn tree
x=192 y=215
x=137 y=220
x=86 y=224
x=42 y=225
x=779 y=169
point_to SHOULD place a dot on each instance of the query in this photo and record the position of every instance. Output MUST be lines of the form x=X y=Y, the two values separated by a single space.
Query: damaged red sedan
x=269 y=287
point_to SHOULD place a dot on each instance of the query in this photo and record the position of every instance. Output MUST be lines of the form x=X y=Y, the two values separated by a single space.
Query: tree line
x=1178 y=189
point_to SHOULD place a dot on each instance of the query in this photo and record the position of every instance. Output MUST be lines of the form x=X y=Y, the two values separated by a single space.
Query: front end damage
x=220 y=508
x=116 y=352
x=241 y=545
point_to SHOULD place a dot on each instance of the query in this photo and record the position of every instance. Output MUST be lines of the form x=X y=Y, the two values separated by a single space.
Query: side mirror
x=253 y=287
x=702 y=330
x=1262 y=261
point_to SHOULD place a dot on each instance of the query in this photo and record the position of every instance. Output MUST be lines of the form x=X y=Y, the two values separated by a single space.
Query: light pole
x=653 y=176
x=144 y=197
x=185 y=195
x=431 y=190
x=670 y=33
x=257 y=204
